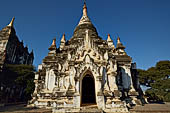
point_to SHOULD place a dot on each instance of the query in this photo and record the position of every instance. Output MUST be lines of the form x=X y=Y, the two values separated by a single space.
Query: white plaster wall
x=50 y=79
x=47 y=78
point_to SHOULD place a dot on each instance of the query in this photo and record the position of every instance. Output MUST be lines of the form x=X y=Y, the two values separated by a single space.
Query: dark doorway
x=88 y=90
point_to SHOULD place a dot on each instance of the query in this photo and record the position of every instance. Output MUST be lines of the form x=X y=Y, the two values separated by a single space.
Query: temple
x=86 y=70
x=12 y=52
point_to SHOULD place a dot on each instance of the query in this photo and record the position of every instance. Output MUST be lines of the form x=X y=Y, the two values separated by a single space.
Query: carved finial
x=84 y=19
x=109 y=38
x=118 y=40
x=120 y=46
x=54 y=42
x=12 y=22
x=53 y=45
x=84 y=9
x=63 y=38
x=110 y=42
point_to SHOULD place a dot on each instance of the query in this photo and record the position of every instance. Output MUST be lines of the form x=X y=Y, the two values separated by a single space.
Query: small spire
x=62 y=43
x=63 y=38
x=109 y=38
x=110 y=42
x=52 y=48
x=53 y=45
x=54 y=42
x=12 y=22
x=85 y=19
x=119 y=44
x=118 y=40
x=84 y=9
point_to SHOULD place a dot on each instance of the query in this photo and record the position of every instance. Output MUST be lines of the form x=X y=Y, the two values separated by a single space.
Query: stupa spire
x=110 y=41
x=118 y=40
x=85 y=19
x=109 y=38
x=54 y=42
x=119 y=44
x=12 y=22
x=53 y=45
x=62 y=42
x=84 y=9
x=63 y=39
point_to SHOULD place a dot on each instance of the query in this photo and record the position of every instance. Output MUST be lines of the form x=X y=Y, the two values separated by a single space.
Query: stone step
x=90 y=109
x=80 y=111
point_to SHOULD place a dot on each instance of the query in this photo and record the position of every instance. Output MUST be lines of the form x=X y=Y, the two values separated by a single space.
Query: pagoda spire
x=85 y=19
x=118 y=40
x=63 y=39
x=54 y=42
x=52 y=48
x=12 y=22
x=84 y=9
x=119 y=44
x=53 y=45
x=110 y=41
x=62 y=42
x=109 y=38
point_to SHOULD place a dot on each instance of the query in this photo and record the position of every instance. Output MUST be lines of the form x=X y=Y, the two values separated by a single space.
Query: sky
x=143 y=25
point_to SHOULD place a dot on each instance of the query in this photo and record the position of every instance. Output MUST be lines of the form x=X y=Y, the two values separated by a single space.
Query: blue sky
x=143 y=25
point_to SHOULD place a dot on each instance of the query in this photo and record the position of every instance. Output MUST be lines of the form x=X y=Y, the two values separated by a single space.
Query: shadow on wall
x=126 y=79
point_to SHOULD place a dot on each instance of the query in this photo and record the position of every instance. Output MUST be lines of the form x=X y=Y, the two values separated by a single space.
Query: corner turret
x=120 y=48
x=110 y=41
x=11 y=24
x=62 y=43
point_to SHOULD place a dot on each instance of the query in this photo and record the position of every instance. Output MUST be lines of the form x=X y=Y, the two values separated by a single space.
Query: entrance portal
x=88 y=90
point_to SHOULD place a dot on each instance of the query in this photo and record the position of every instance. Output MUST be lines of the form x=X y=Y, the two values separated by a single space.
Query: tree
x=20 y=78
x=158 y=78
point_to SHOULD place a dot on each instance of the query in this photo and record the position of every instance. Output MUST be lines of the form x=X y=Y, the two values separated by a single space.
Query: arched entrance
x=88 y=90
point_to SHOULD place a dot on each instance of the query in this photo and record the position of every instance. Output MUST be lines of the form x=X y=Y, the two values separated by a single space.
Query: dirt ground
x=152 y=108
x=147 y=108
x=21 y=108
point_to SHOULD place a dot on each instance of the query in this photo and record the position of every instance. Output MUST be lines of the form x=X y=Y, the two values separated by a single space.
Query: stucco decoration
x=86 y=70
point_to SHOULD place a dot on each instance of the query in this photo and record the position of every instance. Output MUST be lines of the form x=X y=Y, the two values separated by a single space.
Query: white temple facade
x=86 y=70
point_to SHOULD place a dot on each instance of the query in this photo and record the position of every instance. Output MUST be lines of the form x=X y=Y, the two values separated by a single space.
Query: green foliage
x=144 y=79
x=21 y=76
x=158 y=78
